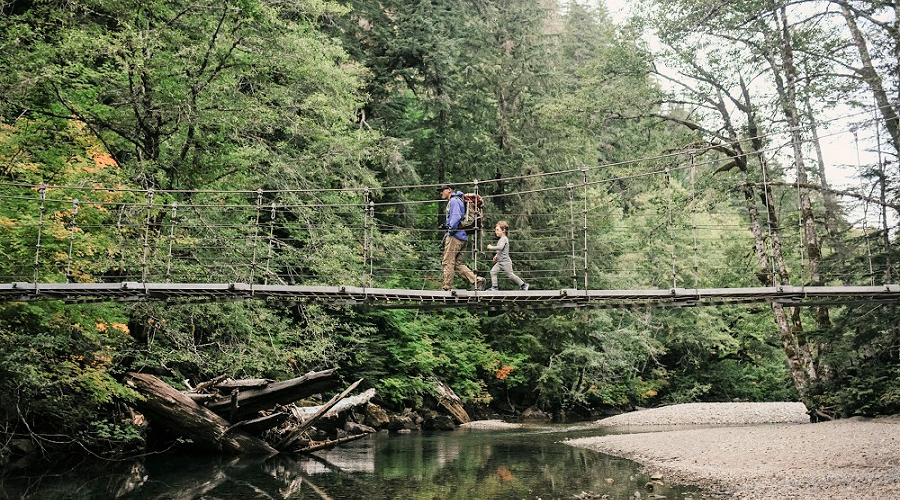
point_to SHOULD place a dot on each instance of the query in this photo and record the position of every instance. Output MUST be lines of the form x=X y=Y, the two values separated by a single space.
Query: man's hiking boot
x=524 y=287
x=479 y=284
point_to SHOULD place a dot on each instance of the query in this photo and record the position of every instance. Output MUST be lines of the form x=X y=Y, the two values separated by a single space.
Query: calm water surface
x=526 y=464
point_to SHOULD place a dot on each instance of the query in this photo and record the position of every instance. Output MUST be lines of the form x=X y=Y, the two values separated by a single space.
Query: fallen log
x=250 y=401
x=288 y=440
x=168 y=406
x=257 y=426
x=330 y=443
x=203 y=385
x=200 y=398
x=451 y=402
x=247 y=383
x=341 y=406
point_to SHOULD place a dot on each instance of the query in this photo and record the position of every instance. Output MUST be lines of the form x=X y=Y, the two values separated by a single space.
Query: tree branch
x=838 y=192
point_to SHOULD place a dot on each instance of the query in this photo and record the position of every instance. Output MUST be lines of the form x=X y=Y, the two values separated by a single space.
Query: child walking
x=502 y=258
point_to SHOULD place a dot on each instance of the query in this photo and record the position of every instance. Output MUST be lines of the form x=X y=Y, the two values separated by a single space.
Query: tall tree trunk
x=832 y=208
x=785 y=77
x=786 y=85
x=784 y=74
x=871 y=77
x=797 y=356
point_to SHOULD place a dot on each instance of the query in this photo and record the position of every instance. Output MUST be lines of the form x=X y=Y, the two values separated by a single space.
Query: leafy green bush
x=863 y=359
x=60 y=367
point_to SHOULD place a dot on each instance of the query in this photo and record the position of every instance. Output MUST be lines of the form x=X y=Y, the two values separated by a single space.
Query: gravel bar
x=713 y=414
x=742 y=454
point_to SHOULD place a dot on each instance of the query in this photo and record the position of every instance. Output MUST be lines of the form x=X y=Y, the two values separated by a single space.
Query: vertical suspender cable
x=584 y=175
x=271 y=239
x=146 y=250
x=570 y=188
x=120 y=237
x=365 y=268
x=37 y=246
x=865 y=215
x=771 y=240
x=868 y=247
x=373 y=225
x=71 y=239
x=694 y=220
x=474 y=232
x=886 y=237
x=670 y=226
x=800 y=232
x=259 y=198
x=171 y=240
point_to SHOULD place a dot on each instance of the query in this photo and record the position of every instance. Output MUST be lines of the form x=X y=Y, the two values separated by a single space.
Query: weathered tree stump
x=451 y=402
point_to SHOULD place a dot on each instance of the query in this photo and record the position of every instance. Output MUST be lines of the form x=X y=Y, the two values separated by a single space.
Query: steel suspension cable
x=694 y=222
x=172 y=222
x=432 y=185
x=37 y=247
x=72 y=226
x=584 y=173
x=571 y=190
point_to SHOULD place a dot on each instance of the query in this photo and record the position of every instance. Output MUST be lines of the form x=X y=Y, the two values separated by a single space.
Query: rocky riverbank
x=760 y=451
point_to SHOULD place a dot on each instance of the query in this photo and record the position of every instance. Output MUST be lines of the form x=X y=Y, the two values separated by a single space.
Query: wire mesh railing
x=656 y=225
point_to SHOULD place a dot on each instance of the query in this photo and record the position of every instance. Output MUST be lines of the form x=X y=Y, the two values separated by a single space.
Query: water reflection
x=465 y=465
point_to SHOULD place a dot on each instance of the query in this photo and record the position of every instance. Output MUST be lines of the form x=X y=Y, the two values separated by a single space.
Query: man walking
x=455 y=241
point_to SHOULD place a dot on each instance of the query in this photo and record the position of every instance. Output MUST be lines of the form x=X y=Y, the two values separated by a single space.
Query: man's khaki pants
x=452 y=262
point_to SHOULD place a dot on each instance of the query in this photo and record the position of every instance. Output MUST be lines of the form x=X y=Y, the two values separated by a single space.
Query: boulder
x=353 y=428
x=21 y=446
x=400 y=422
x=440 y=423
x=534 y=414
x=376 y=416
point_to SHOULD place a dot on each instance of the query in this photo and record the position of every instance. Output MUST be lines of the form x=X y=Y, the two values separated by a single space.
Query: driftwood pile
x=251 y=416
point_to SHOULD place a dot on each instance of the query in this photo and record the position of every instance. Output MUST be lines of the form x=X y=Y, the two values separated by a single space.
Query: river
x=527 y=463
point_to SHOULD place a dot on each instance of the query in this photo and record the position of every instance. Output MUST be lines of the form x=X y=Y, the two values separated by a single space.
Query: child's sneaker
x=492 y=289
x=524 y=286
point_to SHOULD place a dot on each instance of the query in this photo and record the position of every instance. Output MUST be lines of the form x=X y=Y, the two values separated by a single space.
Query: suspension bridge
x=652 y=233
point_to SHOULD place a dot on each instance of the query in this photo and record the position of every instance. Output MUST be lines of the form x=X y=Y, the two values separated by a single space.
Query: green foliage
x=863 y=352
x=410 y=351
x=242 y=94
x=60 y=368
x=241 y=340
x=577 y=360
x=103 y=434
